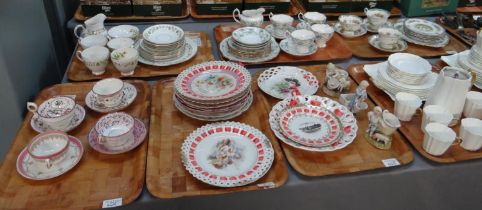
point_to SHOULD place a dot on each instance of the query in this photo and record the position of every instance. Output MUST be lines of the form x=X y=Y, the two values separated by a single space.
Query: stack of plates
x=423 y=32
x=213 y=91
x=408 y=68
x=250 y=45
x=164 y=45
x=313 y=123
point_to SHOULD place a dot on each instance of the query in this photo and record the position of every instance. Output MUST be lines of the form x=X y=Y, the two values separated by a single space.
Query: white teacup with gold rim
x=376 y=17
x=389 y=37
x=95 y=58
x=125 y=60
x=49 y=147
x=115 y=129
x=350 y=23
x=108 y=92
x=55 y=112
x=323 y=33
x=302 y=40
x=281 y=23
x=312 y=18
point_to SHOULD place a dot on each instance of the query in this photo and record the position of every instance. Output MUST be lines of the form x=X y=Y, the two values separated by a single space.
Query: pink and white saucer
x=140 y=133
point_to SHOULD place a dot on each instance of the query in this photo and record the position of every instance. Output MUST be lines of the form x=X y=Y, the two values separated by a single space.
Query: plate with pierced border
x=276 y=81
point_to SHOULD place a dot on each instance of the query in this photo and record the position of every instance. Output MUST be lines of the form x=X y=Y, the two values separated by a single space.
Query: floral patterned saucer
x=140 y=133
x=31 y=169
x=129 y=94
x=227 y=154
x=79 y=115
x=278 y=81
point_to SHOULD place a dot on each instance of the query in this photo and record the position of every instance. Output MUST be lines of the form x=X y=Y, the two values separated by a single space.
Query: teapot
x=253 y=17
x=93 y=26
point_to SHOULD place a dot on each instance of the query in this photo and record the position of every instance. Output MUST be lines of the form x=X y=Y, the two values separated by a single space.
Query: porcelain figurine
x=355 y=102
x=252 y=17
x=336 y=81
x=381 y=126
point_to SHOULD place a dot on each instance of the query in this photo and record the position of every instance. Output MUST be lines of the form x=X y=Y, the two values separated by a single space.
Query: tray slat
x=166 y=175
x=358 y=156
x=412 y=130
x=77 y=71
x=97 y=176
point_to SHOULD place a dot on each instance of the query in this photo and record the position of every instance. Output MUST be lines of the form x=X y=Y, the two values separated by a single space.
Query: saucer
x=79 y=115
x=128 y=96
x=270 y=28
x=286 y=46
x=374 y=41
x=373 y=30
x=28 y=168
x=354 y=34
x=140 y=133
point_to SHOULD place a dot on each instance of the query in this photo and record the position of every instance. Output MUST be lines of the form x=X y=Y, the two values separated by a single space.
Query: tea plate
x=163 y=34
x=190 y=50
x=227 y=154
x=30 y=169
x=347 y=120
x=353 y=34
x=79 y=115
x=270 y=29
x=140 y=133
x=288 y=47
x=277 y=81
x=374 y=40
x=128 y=96
x=273 y=53
x=311 y=126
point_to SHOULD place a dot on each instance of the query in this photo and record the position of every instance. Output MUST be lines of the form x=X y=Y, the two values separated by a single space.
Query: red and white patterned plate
x=227 y=154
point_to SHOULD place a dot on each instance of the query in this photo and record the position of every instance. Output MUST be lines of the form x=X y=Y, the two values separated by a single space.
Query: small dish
x=374 y=41
x=287 y=46
x=129 y=95
x=140 y=133
x=79 y=115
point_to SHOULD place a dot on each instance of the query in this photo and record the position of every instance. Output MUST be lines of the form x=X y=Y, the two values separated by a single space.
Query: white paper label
x=112 y=203
x=391 y=162
x=267 y=185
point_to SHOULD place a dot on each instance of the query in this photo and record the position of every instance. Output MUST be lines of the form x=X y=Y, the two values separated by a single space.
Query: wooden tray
x=184 y=14
x=166 y=175
x=411 y=130
x=358 y=156
x=77 y=71
x=470 y=10
x=294 y=9
x=334 y=50
x=96 y=178
x=395 y=12
x=454 y=31
x=362 y=49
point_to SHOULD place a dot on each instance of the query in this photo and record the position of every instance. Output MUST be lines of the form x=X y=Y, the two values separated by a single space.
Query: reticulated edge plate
x=277 y=81
x=227 y=154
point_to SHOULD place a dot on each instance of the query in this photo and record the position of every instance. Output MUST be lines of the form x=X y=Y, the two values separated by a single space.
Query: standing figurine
x=381 y=126
x=336 y=81
x=373 y=117
x=359 y=96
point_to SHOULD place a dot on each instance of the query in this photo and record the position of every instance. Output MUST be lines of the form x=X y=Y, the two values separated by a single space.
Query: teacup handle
x=48 y=163
x=32 y=107
x=287 y=34
x=79 y=55
x=76 y=29
x=100 y=139
x=301 y=17
x=270 y=15
x=234 y=15
x=365 y=10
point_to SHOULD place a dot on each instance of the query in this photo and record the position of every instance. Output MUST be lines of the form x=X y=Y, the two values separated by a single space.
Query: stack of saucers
x=164 y=45
x=213 y=91
x=423 y=32
x=250 y=45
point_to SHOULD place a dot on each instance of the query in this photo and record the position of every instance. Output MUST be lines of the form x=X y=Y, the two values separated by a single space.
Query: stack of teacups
x=436 y=113
x=473 y=105
x=310 y=18
x=280 y=24
x=471 y=134
x=250 y=42
x=376 y=18
x=49 y=148
x=323 y=33
x=213 y=91
x=406 y=104
x=115 y=130
x=56 y=112
x=162 y=43
x=438 y=138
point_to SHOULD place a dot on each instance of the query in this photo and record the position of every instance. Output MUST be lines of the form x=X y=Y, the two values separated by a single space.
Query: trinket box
x=107 y=7
x=157 y=7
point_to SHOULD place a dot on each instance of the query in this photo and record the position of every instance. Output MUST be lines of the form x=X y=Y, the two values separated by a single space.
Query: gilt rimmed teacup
x=389 y=37
x=376 y=17
x=115 y=129
x=49 y=148
x=108 y=92
x=56 y=112
x=312 y=18
x=350 y=22
x=323 y=33
x=302 y=40
x=125 y=60
x=95 y=58
x=92 y=40
x=281 y=23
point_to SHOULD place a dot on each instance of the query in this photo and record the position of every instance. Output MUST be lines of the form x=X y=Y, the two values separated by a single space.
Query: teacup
x=376 y=17
x=125 y=60
x=471 y=134
x=406 y=104
x=56 y=112
x=436 y=113
x=389 y=37
x=323 y=33
x=473 y=105
x=92 y=40
x=49 y=148
x=115 y=129
x=119 y=43
x=312 y=18
x=302 y=40
x=124 y=31
x=95 y=58
x=108 y=92
x=281 y=23
x=438 y=138
x=350 y=23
